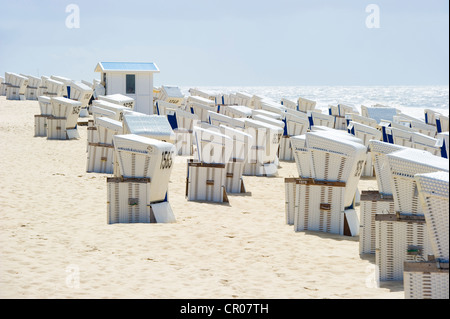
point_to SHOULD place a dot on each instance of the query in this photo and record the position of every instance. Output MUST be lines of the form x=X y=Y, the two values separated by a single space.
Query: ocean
x=410 y=100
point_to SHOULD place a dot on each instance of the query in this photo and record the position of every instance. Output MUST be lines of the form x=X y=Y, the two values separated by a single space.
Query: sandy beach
x=55 y=241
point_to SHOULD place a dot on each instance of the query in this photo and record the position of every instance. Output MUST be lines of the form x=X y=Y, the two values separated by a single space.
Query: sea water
x=410 y=100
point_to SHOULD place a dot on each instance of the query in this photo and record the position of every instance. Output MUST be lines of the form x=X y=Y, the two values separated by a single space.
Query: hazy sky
x=231 y=42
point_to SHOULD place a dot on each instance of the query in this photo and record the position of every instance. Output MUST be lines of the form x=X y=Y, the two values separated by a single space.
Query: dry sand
x=53 y=228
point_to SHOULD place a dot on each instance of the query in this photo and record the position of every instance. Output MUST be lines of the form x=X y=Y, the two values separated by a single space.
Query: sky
x=233 y=42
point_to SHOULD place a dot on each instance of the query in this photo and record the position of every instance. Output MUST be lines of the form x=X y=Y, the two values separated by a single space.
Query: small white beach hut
x=133 y=79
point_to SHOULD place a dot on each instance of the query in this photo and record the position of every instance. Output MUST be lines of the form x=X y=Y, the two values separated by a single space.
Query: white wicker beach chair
x=442 y=123
x=320 y=119
x=296 y=124
x=212 y=147
x=240 y=144
x=17 y=87
x=403 y=165
x=171 y=94
x=32 y=87
x=66 y=87
x=426 y=143
x=62 y=124
x=338 y=158
x=100 y=151
x=305 y=105
x=139 y=192
x=402 y=136
x=289 y=104
x=81 y=92
x=2 y=86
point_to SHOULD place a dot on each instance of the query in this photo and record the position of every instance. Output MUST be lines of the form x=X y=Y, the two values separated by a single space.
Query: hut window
x=131 y=83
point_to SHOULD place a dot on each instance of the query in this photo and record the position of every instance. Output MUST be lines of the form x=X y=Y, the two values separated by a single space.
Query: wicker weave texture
x=433 y=195
x=367 y=233
x=393 y=238
x=423 y=285
x=311 y=214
